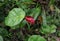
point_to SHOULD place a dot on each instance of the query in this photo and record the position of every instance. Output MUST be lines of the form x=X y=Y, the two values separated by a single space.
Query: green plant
x=46 y=29
x=36 y=38
x=58 y=33
x=15 y=16
x=1 y=39
x=29 y=20
x=3 y=32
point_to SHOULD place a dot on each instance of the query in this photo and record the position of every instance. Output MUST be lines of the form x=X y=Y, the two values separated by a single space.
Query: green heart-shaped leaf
x=14 y=17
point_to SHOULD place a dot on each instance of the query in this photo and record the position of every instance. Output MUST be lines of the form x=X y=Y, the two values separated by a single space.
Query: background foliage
x=13 y=24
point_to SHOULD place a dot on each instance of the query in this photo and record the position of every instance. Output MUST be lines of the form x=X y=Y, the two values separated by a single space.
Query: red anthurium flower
x=30 y=19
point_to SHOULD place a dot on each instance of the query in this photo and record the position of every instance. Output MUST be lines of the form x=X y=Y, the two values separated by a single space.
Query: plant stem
x=28 y=26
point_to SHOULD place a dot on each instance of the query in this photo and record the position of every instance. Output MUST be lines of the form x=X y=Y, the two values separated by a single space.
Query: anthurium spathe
x=30 y=19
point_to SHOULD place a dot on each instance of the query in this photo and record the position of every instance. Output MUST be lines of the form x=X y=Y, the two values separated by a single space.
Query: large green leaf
x=46 y=29
x=14 y=17
x=36 y=38
x=1 y=39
